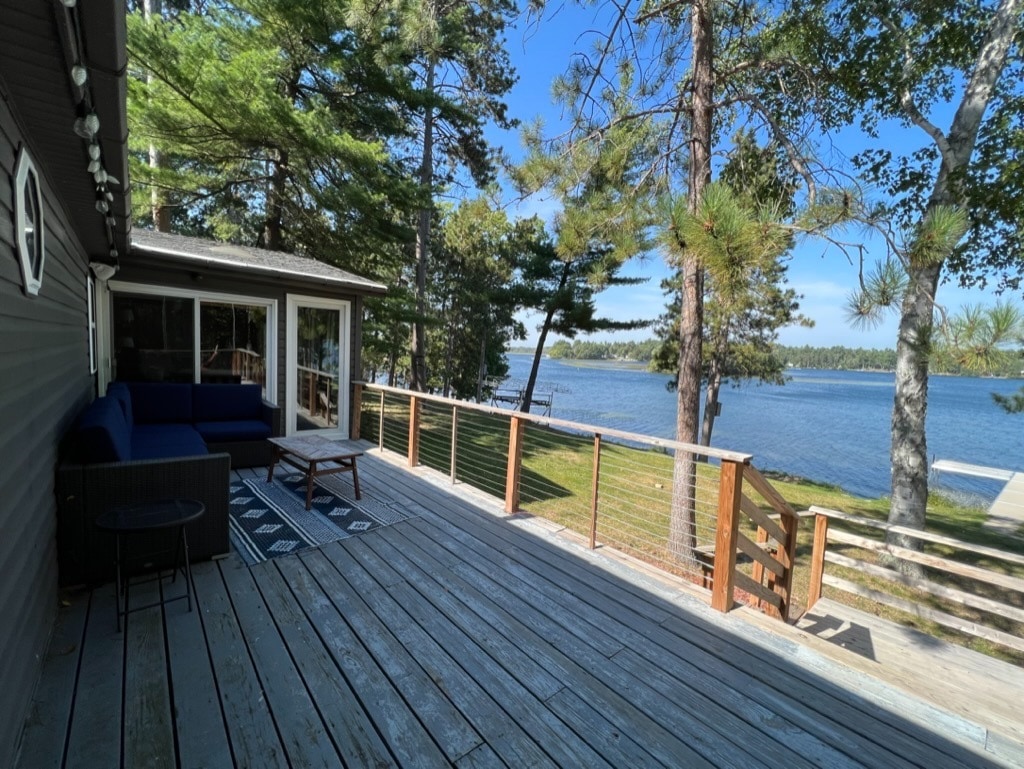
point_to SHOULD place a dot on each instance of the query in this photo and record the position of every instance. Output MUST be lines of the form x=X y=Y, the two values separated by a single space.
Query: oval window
x=28 y=222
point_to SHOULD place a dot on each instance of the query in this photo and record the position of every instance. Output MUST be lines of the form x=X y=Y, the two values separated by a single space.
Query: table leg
x=117 y=584
x=188 y=569
x=355 y=478
x=273 y=461
x=310 y=475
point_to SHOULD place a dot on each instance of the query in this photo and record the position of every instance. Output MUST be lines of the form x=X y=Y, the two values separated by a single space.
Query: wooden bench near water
x=465 y=638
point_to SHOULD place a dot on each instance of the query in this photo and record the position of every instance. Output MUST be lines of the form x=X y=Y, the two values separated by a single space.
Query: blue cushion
x=226 y=402
x=120 y=392
x=102 y=434
x=236 y=430
x=166 y=441
x=161 y=402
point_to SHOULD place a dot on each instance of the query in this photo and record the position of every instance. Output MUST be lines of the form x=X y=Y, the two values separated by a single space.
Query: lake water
x=830 y=426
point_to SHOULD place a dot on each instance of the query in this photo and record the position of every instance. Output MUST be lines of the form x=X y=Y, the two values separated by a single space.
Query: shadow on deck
x=459 y=638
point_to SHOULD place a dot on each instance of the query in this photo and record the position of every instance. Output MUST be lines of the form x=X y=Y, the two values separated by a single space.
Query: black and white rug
x=270 y=519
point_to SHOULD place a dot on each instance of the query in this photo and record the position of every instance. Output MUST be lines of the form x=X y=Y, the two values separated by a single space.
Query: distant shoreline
x=638 y=365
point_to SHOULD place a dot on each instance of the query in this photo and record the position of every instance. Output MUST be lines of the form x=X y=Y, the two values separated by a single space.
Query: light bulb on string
x=87 y=127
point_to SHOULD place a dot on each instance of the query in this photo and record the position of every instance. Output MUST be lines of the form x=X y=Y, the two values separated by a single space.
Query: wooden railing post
x=357 y=411
x=730 y=490
x=817 y=559
x=593 y=490
x=515 y=464
x=380 y=427
x=786 y=555
x=414 y=431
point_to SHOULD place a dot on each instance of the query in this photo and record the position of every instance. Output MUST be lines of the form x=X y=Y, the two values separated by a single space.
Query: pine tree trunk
x=531 y=382
x=711 y=404
x=682 y=537
x=419 y=343
x=481 y=371
x=159 y=209
x=272 y=236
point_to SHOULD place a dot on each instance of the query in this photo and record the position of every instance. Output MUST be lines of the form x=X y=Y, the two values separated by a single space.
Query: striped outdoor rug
x=270 y=519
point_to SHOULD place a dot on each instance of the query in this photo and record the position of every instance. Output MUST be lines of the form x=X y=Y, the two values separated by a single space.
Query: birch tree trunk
x=909 y=452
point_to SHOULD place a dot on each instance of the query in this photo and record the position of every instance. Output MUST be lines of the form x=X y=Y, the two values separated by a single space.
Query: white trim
x=344 y=308
x=147 y=289
x=103 y=330
x=25 y=174
x=93 y=331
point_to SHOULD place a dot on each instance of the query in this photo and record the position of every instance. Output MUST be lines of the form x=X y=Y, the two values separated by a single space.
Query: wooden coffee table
x=315 y=456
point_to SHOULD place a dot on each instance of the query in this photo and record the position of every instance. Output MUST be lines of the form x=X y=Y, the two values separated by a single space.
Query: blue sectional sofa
x=149 y=441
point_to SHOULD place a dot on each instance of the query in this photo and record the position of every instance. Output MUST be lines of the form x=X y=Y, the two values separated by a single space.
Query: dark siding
x=44 y=381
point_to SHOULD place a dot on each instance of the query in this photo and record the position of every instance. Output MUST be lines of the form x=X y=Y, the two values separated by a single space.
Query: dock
x=1006 y=513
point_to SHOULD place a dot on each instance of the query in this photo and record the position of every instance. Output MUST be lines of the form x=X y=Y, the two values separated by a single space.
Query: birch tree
x=950 y=75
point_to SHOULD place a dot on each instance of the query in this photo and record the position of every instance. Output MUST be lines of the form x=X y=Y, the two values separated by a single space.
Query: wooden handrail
x=649 y=440
x=824 y=533
x=772 y=554
x=925 y=536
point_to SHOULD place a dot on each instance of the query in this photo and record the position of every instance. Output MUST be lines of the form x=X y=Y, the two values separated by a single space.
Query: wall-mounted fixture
x=28 y=222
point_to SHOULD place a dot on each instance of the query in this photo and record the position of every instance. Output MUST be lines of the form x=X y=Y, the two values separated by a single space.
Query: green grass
x=635 y=496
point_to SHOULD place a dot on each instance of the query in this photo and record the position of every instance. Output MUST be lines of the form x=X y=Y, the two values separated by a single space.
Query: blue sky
x=823 y=276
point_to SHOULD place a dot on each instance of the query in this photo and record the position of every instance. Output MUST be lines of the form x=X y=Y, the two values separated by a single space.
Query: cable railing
x=614 y=488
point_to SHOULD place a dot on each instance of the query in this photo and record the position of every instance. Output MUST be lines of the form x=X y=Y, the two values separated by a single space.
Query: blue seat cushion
x=166 y=441
x=101 y=434
x=119 y=391
x=226 y=402
x=237 y=430
x=161 y=402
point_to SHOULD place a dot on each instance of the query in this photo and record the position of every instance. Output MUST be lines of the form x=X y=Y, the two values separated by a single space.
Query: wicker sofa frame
x=84 y=491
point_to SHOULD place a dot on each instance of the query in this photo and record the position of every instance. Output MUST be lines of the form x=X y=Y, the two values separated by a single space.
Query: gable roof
x=199 y=253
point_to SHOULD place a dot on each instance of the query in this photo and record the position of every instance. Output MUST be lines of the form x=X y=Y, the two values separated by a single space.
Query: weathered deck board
x=251 y=729
x=463 y=639
x=95 y=737
x=199 y=722
x=704 y=670
x=51 y=709
x=148 y=731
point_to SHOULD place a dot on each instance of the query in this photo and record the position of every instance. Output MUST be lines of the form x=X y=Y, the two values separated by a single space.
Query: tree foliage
x=274 y=120
x=949 y=75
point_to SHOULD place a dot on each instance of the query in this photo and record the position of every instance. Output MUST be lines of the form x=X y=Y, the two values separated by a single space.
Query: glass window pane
x=317 y=374
x=153 y=338
x=233 y=343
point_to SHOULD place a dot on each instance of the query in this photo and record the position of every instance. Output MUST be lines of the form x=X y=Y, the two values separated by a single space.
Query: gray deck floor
x=457 y=638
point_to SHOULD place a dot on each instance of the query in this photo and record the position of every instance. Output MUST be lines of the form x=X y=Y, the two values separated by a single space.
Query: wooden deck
x=460 y=638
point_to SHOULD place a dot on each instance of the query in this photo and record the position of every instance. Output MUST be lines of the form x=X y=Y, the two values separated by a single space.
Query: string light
x=88 y=126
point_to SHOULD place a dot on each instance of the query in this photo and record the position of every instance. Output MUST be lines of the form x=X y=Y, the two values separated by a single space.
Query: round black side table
x=150 y=516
